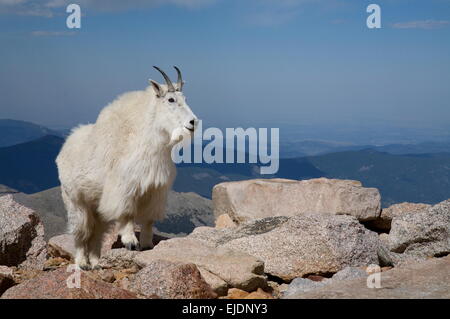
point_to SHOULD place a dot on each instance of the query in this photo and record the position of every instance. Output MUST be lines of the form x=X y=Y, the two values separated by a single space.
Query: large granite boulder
x=292 y=247
x=302 y=285
x=422 y=234
x=383 y=223
x=429 y=279
x=21 y=236
x=260 y=198
x=221 y=267
x=171 y=280
x=61 y=284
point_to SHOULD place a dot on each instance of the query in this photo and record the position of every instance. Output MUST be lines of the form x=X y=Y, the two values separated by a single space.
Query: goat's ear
x=180 y=89
x=158 y=89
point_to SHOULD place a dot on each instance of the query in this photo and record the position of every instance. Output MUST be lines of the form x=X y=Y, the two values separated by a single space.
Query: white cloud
x=48 y=8
x=10 y=2
x=422 y=24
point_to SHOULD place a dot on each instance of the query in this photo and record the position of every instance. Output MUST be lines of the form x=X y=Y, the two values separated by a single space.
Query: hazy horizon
x=247 y=63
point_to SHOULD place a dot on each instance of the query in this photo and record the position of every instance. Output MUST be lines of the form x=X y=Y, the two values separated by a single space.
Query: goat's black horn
x=180 y=79
x=166 y=77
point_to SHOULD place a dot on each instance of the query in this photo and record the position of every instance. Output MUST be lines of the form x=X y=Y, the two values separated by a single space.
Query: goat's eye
x=171 y=100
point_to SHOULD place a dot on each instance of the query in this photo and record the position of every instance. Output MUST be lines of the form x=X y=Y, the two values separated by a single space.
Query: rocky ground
x=277 y=238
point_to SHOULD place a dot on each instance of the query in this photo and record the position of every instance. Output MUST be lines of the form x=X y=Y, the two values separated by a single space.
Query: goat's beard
x=178 y=135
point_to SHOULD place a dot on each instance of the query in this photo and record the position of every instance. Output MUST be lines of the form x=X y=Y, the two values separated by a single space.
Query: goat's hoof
x=85 y=267
x=97 y=267
x=131 y=246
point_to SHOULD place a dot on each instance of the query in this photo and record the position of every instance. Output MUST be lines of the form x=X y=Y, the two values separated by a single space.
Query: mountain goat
x=119 y=170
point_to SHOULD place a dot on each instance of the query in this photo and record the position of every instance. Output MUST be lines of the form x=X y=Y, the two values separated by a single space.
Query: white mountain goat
x=119 y=170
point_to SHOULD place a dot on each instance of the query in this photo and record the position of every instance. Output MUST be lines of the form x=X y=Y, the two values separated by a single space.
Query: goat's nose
x=192 y=122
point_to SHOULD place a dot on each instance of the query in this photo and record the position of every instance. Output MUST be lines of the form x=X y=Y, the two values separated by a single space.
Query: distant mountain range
x=30 y=167
x=14 y=132
x=423 y=177
x=316 y=147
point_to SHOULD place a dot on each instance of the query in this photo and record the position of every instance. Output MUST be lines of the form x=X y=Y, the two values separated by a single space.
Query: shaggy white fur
x=119 y=170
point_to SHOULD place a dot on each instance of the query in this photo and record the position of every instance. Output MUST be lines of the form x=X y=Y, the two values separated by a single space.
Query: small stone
x=119 y=275
x=107 y=275
x=225 y=221
x=259 y=294
x=301 y=285
x=6 y=271
x=235 y=293
x=121 y=258
x=349 y=273
x=55 y=262
x=171 y=280
x=217 y=284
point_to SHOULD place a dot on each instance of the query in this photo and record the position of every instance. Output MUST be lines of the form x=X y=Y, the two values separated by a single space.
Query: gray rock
x=260 y=198
x=21 y=236
x=349 y=273
x=385 y=257
x=421 y=234
x=217 y=284
x=237 y=269
x=428 y=279
x=118 y=258
x=383 y=223
x=292 y=247
x=302 y=285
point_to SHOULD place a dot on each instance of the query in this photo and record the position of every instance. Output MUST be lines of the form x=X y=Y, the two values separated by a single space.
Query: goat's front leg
x=146 y=236
x=127 y=235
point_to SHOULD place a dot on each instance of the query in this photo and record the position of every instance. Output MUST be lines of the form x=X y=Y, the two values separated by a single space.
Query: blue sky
x=246 y=62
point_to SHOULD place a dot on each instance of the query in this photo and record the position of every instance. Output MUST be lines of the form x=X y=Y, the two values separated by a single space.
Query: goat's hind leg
x=127 y=235
x=81 y=238
x=95 y=243
x=146 y=236
x=81 y=224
